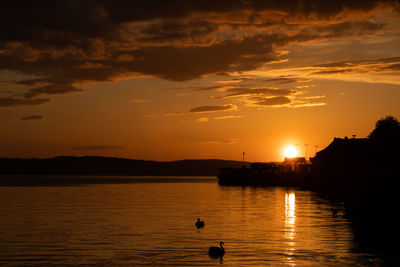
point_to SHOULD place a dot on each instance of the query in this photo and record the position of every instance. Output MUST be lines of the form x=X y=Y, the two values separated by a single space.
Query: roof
x=345 y=147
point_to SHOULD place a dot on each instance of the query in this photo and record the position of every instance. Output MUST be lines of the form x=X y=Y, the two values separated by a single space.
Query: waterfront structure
x=291 y=172
x=345 y=161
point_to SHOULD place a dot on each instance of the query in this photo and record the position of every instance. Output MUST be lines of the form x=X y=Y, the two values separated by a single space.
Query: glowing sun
x=290 y=152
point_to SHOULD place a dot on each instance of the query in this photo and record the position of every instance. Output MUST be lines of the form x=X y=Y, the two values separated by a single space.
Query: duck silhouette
x=216 y=252
x=199 y=224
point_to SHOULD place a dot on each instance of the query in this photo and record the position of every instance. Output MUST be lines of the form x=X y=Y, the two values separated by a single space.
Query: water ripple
x=153 y=224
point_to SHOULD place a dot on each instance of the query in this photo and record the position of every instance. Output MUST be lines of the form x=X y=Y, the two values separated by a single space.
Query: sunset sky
x=168 y=80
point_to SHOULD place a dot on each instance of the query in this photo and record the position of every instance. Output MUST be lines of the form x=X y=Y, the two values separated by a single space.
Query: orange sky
x=199 y=80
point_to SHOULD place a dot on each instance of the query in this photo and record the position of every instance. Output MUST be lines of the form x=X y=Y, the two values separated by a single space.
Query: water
x=153 y=224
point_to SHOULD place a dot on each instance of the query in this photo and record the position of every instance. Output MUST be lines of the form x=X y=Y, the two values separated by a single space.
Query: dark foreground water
x=152 y=223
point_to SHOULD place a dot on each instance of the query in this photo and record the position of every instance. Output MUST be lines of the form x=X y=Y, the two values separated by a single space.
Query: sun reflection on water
x=290 y=226
x=290 y=216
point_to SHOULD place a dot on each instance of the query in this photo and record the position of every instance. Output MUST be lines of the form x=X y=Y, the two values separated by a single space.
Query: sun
x=290 y=152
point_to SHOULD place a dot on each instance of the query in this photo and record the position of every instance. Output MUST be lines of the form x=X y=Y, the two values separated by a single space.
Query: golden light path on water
x=290 y=226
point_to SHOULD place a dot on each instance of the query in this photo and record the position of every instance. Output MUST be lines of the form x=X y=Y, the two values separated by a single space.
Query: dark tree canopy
x=387 y=130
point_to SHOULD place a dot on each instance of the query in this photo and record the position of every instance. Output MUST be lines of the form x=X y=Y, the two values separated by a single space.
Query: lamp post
x=305 y=147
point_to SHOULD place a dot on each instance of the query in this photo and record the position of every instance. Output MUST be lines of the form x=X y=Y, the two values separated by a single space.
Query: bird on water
x=199 y=224
x=216 y=252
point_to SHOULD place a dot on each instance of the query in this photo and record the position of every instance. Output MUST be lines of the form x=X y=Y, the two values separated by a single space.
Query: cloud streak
x=32 y=117
x=208 y=109
x=271 y=101
x=228 y=117
x=224 y=142
x=236 y=92
x=14 y=102
x=204 y=119
x=284 y=80
x=382 y=65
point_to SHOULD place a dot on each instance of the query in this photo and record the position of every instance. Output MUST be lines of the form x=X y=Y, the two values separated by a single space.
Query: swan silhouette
x=334 y=212
x=199 y=224
x=216 y=252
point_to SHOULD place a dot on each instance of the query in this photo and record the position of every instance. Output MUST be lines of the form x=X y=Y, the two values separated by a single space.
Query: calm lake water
x=152 y=223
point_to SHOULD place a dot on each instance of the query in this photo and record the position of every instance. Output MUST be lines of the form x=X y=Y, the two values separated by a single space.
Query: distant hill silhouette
x=93 y=165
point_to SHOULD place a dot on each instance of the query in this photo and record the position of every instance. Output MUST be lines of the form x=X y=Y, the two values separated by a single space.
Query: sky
x=170 y=80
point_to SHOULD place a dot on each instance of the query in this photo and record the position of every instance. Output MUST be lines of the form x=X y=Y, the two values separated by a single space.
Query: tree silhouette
x=386 y=130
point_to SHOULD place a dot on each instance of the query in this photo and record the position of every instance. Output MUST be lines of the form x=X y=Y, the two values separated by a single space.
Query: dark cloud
x=347 y=28
x=51 y=90
x=237 y=80
x=206 y=109
x=234 y=92
x=70 y=43
x=13 y=102
x=327 y=72
x=212 y=108
x=98 y=147
x=32 y=117
x=215 y=87
x=334 y=65
x=341 y=64
x=272 y=101
x=55 y=22
x=103 y=15
x=393 y=67
x=184 y=63
x=170 y=30
x=381 y=65
x=282 y=80
x=173 y=63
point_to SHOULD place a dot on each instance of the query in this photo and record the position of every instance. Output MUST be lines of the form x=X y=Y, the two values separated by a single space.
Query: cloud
x=235 y=92
x=381 y=65
x=204 y=119
x=284 y=79
x=235 y=80
x=346 y=29
x=68 y=44
x=170 y=30
x=271 y=101
x=327 y=72
x=13 y=102
x=98 y=147
x=32 y=117
x=51 y=90
x=303 y=86
x=269 y=97
x=390 y=68
x=290 y=102
x=215 y=87
x=308 y=101
x=185 y=63
x=207 y=109
x=312 y=97
x=225 y=142
x=307 y=105
x=228 y=117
